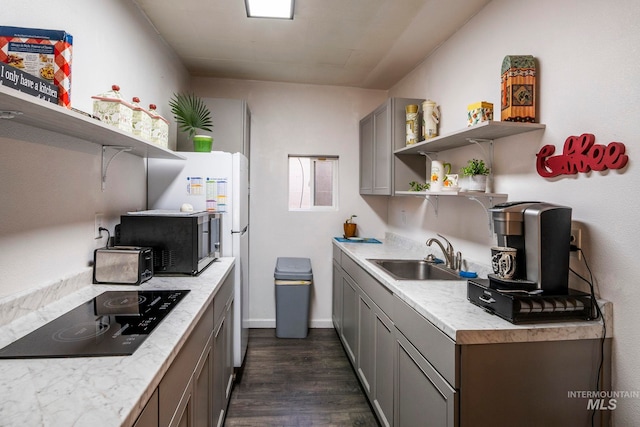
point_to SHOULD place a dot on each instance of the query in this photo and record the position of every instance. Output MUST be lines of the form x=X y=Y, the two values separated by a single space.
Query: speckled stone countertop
x=445 y=304
x=93 y=391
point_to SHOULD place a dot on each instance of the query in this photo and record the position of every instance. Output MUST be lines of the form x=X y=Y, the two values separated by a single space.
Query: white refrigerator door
x=240 y=233
x=171 y=183
x=174 y=182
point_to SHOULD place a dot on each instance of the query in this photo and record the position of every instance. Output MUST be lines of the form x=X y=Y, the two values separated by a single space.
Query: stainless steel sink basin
x=411 y=269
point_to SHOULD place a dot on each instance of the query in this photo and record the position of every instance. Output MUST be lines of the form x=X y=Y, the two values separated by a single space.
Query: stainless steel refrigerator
x=219 y=182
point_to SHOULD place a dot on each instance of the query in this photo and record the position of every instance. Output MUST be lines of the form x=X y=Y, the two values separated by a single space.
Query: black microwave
x=182 y=242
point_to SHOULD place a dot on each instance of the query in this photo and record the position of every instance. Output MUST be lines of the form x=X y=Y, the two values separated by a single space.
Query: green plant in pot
x=476 y=173
x=350 y=227
x=418 y=186
x=192 y=115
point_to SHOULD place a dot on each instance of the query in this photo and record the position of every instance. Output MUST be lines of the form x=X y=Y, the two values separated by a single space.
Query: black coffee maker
x=541 y=233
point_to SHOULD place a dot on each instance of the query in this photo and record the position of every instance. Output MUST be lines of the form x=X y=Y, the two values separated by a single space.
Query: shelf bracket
x=428 y=154
x=489 y=155
x=433 y=201
x=486 y=203
x=106 y=161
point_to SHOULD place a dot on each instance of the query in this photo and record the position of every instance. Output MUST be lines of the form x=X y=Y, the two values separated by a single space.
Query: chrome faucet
x=452 y=261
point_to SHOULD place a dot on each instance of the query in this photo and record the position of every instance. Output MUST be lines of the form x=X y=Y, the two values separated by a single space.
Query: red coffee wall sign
x=580 y=154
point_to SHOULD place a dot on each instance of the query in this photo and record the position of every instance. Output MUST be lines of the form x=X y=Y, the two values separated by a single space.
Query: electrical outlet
x=99 y=218
x=576 y=240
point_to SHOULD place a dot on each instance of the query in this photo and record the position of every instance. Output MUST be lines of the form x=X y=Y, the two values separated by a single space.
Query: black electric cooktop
x=114 y=323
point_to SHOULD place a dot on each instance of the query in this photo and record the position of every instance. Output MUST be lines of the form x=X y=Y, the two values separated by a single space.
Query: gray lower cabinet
x=222 y=351
x=336 y=311
x=416 y=375
x=195 y=390
x=149 y=415
x=384 y=338
x=422 y=396
x=366 y=343
x=376 y=339
x=367 y=335
x=202 y=388
x=176 y=388
x=402 y=385
x=349 y=332
x=219 y=383
x=223 y=362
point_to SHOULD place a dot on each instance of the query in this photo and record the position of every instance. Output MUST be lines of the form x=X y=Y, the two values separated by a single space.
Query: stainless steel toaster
x=122 y=265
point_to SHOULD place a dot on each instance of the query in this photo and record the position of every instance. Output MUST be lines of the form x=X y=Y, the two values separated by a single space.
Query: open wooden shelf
x=490 y=130
x=37 y=113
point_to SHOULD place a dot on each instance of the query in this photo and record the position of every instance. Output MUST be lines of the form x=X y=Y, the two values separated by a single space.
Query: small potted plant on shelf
x=476 y=173
x=192 y=115
x=418 y=186
x=350 y=227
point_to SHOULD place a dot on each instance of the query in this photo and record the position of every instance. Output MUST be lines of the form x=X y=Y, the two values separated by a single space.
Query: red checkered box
x=43 y=53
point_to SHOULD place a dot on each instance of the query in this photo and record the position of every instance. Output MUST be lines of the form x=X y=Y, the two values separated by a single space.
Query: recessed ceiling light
x=281 y=9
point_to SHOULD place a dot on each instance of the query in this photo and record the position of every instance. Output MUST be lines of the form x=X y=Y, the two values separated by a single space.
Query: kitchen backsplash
x=22 y=303
x=481 y=270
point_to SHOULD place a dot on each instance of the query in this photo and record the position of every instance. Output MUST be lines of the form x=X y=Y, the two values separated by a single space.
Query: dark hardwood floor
x=298 y=382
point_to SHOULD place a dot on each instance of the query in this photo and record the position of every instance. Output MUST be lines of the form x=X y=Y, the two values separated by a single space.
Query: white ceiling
x=358 y=43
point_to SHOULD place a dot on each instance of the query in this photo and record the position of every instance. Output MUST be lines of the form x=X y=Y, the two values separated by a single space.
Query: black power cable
x=108 y=235
x=598 y=314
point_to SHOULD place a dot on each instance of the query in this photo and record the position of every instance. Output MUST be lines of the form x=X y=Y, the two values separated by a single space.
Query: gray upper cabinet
x=231 y=126
x=366 y=155
x=381 y=133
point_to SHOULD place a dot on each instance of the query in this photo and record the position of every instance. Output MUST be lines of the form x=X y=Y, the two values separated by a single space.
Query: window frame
x=334 y=187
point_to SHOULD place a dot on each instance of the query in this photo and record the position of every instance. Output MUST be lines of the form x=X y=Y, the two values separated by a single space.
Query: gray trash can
x=293 y=278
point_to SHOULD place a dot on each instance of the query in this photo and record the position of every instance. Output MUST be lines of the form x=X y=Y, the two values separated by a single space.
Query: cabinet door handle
x=244 y=230
x=486 y=299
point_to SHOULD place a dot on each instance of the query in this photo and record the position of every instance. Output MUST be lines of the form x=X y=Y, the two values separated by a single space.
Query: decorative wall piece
x=518 y=92
x=580 y=154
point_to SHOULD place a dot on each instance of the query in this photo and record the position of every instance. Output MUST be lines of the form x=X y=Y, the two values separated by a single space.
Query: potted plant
x=192 y=115
x=350 y=227
x=476 y=173
x=418 y=186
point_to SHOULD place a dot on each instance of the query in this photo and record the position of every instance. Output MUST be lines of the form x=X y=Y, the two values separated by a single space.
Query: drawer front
x=382 y=296
x=432 y=343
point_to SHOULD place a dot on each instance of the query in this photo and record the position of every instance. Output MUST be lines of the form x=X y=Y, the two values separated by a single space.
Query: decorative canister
x=518 y=90
x=140 y=120
x=112 y=109
x=479 y=112
x=430 y=119
x=413 y=126
x=159 y=128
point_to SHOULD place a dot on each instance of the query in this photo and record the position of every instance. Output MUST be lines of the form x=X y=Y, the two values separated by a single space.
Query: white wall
x=48 y=194
x=305 y=120
x=588 y=60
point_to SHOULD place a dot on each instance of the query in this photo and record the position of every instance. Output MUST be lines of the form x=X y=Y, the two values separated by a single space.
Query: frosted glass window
x=313 y=183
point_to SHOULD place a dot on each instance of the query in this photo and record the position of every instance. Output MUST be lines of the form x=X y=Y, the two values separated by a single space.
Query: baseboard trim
x=271 y=323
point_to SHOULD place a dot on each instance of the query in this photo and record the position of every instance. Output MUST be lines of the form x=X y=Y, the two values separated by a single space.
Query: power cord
x=598 y=314
x=101 y=229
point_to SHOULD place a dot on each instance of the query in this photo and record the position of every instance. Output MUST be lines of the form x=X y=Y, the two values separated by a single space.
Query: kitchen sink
x=410 y=269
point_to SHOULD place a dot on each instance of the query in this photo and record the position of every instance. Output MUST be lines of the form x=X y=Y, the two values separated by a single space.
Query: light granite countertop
x=445 y=304
x=94 y=391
